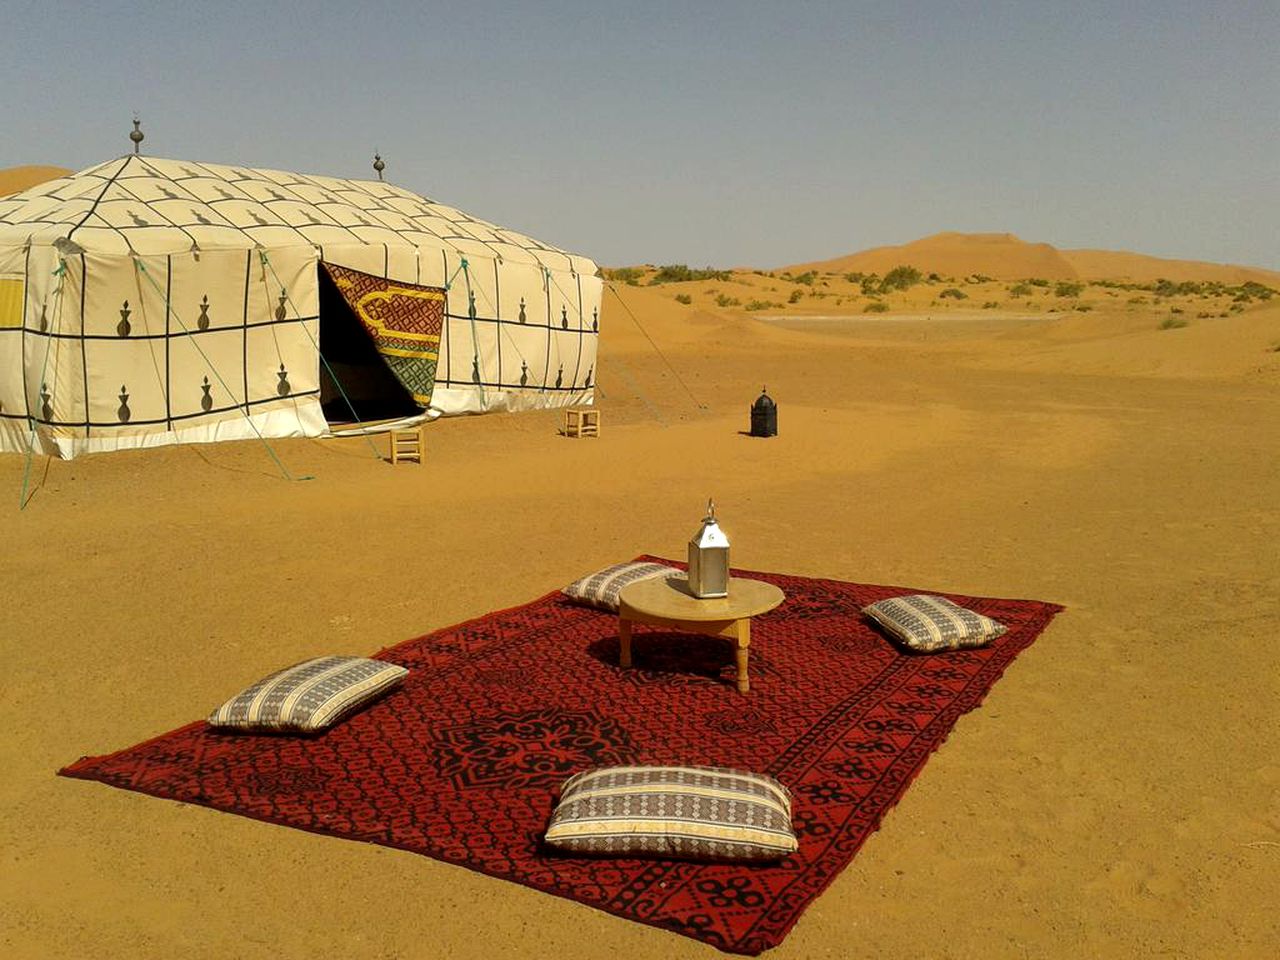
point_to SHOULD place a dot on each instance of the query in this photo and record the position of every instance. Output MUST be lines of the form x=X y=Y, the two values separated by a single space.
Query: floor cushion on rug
x=600 y=589
x=690 y=813
x=930 y=624
x=308 y=697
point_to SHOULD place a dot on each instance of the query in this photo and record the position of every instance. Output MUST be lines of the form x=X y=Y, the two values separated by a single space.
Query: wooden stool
x=406 y=445
x=581 y=423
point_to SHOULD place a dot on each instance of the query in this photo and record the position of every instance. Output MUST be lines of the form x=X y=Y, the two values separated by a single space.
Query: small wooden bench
x=406 y=445
x=581 y=423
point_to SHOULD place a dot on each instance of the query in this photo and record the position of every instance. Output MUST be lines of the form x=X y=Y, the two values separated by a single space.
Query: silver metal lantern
x=709 y=558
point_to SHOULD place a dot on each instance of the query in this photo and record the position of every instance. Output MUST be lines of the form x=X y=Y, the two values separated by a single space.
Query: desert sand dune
x=1006 y=257
x=1120 y=265
x=17 y=179
x=950 y=254
x=1117 y=795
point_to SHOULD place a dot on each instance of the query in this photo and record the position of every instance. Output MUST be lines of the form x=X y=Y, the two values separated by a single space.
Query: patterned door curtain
x=404 y=322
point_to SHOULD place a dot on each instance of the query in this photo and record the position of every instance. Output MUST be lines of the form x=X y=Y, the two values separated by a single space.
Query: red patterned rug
x=463 y=761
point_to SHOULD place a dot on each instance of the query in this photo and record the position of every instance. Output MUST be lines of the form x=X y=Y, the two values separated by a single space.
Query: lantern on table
x=709 y=558
x=764 y=416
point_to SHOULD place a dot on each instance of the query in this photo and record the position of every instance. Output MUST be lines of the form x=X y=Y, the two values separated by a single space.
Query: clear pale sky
x=743 y=133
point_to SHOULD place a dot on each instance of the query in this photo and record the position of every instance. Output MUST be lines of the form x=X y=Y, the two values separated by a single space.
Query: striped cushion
x=930 y=624
x=600 y=589
x=691 y=813
x=309 y=696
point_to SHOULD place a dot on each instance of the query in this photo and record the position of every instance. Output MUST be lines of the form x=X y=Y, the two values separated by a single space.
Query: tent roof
x=150 y=206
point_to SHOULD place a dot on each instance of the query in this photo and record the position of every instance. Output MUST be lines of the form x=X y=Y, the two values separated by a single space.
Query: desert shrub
x=683 y=298
x=978 y=278
x=876 y=306
x=1172 y=323
x=628 y=275
x=1083 y=307
x=854 y=277
x=1037 y=282
x=724 y=300
x=870 y=284
x=761 y=305
x=1257 y=290
x=1237 y=308
x=796 y=296
x=1019 y=289
x=1175 y=309
x=806 y=278
x=933 y=278
x=1068 y=288
x=1137 y=300
x=991 y=305
x=1242 y=298
x=953 y=293
x=900 y=278
x=679 y=272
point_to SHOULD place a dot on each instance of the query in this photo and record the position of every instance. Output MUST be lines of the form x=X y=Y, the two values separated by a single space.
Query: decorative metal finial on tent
x=378 y=164
x=136 y=134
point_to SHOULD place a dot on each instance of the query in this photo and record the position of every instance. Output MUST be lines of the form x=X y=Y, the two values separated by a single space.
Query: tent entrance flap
x=382 y=340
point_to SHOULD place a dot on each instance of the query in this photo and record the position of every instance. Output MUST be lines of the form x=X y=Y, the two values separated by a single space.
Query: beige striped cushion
x=308 y=696
x=691 y=813
x=930 y=624
x=601 y=588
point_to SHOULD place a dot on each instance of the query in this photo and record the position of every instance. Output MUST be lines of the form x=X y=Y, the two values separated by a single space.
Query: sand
x=1117 y=795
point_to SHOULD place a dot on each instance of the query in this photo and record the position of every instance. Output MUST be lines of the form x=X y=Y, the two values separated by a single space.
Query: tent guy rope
x=143 y=271
x=284 y=290
x=61 y=274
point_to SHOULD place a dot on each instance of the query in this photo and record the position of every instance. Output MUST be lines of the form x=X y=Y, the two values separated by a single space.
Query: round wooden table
x=667 y=602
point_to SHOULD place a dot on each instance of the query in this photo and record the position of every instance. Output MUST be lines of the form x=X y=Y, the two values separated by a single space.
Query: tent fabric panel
x=404 y=264
x=281 y=361
x=285 y=280
x=296 y=417
x=123 y=301
x=206 y=291
x=364 y=258
x=125 y=384
x=15 y=300
x=207 y=374
x=377 y=236
x=193 y=341
x=54 y=357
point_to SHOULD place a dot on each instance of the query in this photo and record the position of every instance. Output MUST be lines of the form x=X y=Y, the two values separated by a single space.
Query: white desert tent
x=148 y=301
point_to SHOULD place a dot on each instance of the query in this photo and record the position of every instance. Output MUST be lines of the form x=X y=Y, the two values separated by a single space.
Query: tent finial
x=378 y=164
x=136 y=133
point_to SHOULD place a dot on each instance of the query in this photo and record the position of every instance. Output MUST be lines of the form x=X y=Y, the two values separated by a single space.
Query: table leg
x=742 y=652
x=624 y=642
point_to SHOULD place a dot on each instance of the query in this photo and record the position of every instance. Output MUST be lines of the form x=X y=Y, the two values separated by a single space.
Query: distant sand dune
x=17 y=179
x=1006 y=257
x=1000 y=255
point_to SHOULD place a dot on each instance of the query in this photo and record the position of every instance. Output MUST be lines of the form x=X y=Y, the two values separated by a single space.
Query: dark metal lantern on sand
x=709 y=558
x=764 y=416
